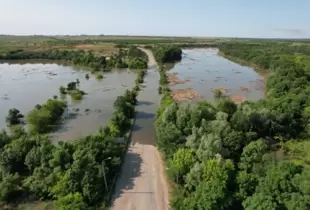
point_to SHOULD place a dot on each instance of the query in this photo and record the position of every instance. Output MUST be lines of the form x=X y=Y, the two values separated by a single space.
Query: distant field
x=102 y=45
x=31 y=40
x=105 y=44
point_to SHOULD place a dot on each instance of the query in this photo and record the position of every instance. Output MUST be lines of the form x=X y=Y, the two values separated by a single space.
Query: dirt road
x=152 y=62
x=142 y=185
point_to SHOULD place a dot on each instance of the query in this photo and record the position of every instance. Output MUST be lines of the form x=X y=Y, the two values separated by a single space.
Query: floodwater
x=22 y=86
x=205 y=71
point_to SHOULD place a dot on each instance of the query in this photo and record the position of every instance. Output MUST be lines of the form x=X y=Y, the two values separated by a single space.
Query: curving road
x=142 y=185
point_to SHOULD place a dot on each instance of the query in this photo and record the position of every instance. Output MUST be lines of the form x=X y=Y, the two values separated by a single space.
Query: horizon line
x=151 y=36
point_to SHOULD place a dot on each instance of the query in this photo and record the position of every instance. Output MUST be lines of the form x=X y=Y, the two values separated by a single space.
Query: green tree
x=13 y=117
x=227 y=106
x=9 y=187
x=181 y=162
x=41 y=182
x=12 y=159
x=4 y=138
x=168 y=138
x=71 y=201
x=252 y=156
x=39 y=120
x=278 y=190
x=213 y=190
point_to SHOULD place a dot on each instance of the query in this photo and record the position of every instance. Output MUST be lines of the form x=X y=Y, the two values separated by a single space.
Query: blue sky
x=206 y=18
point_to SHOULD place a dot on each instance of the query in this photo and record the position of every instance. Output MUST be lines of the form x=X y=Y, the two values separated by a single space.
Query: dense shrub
x=167 y=53
x=43 y=118
x=233 y=157
x=132 y=57
x=13 y=117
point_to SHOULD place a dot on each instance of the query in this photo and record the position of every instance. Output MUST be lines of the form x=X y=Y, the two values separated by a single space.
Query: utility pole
x=104 y=177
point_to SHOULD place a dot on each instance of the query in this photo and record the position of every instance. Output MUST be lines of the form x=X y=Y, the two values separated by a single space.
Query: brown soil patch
x=237 y=98
x=174 y=80
x=101 y=49
x=182 y=95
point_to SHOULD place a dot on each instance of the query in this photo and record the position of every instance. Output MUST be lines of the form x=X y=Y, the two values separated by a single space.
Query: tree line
x=167 y=53
x=132 y=58
x=230 y=156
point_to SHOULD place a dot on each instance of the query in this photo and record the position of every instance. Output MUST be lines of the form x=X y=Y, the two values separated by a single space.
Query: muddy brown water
x=22 y=86
x=206 y=71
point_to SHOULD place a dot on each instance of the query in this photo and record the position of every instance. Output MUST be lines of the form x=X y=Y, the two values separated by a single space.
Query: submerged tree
x=13 y=117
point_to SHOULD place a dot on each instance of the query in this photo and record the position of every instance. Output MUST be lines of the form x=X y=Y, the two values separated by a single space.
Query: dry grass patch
x=174 y=80
x=183 y=95
x=237 y=98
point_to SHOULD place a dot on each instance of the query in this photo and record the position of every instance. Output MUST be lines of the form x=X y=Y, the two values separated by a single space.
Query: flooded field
x=22 y=86
x=201 y=71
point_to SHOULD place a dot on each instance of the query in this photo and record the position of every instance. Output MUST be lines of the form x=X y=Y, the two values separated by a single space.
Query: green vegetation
x=100 y=39
x=72 y=90
x=79 y=58
x=247 y=156
x=167 y=53
x=42 y=118
x=132 y=58
x=71 y=173
x=99 y=76
x=13 y=117
x=140 y=77
x=77 y=94
x=217 y=93
x=62 y=90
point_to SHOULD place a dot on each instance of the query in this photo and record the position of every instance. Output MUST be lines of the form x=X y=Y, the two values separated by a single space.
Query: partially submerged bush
x=77 y=94
x=62 y=90
x=99 y=76
x=71 y=86
x=42 y=119
x=218 y=93
x=13 y=117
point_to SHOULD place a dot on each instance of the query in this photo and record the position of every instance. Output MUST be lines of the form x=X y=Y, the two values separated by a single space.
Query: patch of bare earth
x=101 y=49
x=174 y=80
x=183 y=95
x=237 y=98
